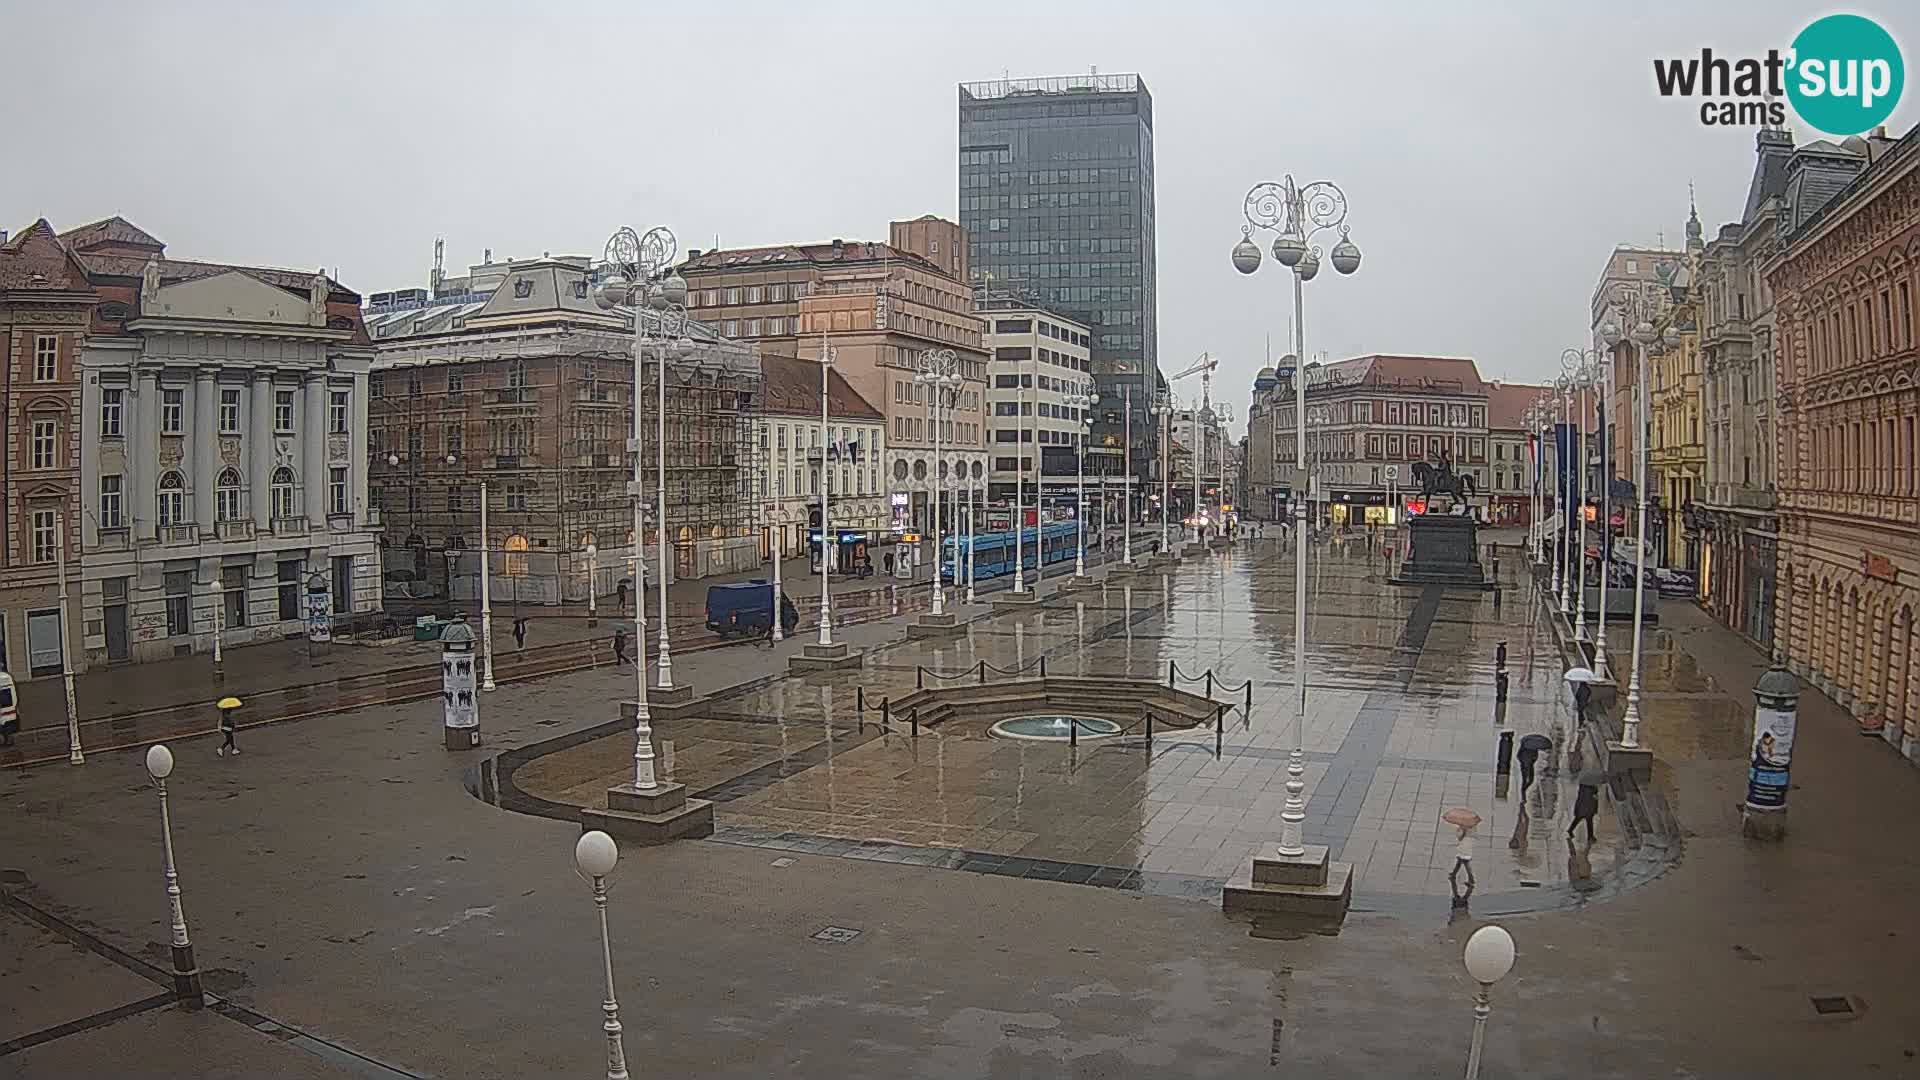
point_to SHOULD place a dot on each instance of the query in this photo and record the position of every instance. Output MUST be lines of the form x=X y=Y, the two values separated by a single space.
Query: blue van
x=747 y=608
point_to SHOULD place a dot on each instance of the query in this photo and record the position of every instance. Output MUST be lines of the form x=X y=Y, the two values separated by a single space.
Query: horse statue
x=1440 y=479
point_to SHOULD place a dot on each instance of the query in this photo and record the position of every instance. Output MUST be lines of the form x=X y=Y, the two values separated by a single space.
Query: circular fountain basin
x=1054 y=727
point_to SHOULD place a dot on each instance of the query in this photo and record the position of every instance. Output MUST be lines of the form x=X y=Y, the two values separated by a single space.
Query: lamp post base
x=1634 y=761
x=826 y=658
x=1756 y=824
x=930 y=625
x=1310 y=884
x=462 y=738
x=186 y=977
x=654 y=816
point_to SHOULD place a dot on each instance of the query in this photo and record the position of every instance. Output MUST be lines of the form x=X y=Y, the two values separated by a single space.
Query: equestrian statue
x=1440 y=479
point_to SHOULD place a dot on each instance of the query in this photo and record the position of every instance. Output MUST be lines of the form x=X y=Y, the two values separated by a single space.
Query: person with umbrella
x=1581 y=679
x=1531 y=747
x=1465 y=821
x=227 y=707
x=1586 y=803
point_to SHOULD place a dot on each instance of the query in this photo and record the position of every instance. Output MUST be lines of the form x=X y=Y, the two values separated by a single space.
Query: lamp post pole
x=593 y=603
x=969 y=524
x=1163 y=408
x=1296 y=215
x=1126 y=457
x=1082 y=401
x=939 y=371
x=219 y=624
x=1564 y=503
x=827 y=355
x=594 y=856
x=1643 y=339
x=1609 y=333
x=1580 y=363
x=75 y=756
x=486 y=598
x=637 y=264
x=186 y=974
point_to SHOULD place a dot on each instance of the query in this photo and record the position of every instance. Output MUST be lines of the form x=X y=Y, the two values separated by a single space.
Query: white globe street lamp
x=1489 y=956
x=186 y=974
x=594 y=856
x=1081 y=402
x=939 y=371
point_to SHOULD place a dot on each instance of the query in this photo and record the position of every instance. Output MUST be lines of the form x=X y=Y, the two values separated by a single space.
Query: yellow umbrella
x=227 y=703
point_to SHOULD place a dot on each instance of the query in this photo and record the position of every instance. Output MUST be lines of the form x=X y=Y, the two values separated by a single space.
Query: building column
x=205 y=425
x=143 y=465
x=260 y=447
x=313 y=453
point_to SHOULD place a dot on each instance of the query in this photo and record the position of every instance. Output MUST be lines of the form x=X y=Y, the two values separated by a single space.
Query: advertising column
x=1776 y=704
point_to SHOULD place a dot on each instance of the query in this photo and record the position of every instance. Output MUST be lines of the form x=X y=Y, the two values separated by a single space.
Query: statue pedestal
x=1443 y=549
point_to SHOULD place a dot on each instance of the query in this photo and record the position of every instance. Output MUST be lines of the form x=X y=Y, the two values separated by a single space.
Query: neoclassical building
x=223 y=421
x=1844 y=283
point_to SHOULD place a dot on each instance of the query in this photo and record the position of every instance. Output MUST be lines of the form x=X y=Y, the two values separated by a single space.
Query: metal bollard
x=1170 y=670
x=1073 y=731
x=886 y=714
x=919 y=678
x=1503 y=754
x=1209 y=682
x=1043 y=667
x=1149 y=730
x=860 y=707
x=1248 y=714
x=983 y=673
x=1219 y=732
x=915 y=721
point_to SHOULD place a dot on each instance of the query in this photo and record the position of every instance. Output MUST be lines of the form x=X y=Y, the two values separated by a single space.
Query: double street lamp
x=640 y=278
x=1644 y=336
x=1564 y=500
x=1163 y=407
x=938 y=371
x=1583 y=366
x=1296 y=215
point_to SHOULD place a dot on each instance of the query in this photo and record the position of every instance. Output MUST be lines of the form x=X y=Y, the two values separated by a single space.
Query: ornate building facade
x=1844 y=283
x=1676 y=446
x=223 y=416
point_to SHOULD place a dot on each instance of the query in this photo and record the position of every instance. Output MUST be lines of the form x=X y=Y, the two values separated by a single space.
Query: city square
x=933 y=547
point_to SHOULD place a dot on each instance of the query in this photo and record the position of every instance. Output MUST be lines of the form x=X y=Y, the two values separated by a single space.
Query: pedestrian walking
x=1464 y=821
x=619 y=645
x=520 y=633
x=1586 y=806
x=227 y=707
x=622 y=593
x=1530 y=748
x=1582 y=696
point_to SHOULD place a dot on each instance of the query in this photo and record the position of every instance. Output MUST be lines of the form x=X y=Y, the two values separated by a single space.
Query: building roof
x=780 y=256
x=1508 y=402
x=113 y=236
x=791 y=387
x=1402 y=372
x=37 y=260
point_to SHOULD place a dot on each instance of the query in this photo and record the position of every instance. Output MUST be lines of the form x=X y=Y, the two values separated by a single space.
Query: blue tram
x=993 y=552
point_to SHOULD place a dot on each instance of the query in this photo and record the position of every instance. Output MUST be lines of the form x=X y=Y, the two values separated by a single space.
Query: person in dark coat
x=520 y=633
x=619 y=645
x=227 y=706
x=622 y=593
x=789 y=615
x=1586 y=805
x=1582 y=696
x=1530 y=748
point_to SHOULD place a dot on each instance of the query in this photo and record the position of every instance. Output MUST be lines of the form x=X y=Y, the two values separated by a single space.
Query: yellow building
x=1676 y=447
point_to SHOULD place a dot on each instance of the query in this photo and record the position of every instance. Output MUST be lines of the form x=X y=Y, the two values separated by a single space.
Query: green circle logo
x=1846 y=74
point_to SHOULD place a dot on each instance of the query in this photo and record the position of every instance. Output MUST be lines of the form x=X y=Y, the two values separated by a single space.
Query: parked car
x=747 y=608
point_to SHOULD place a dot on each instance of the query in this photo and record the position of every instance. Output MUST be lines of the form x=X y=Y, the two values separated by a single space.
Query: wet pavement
x=1403 y=724
x=360 y=914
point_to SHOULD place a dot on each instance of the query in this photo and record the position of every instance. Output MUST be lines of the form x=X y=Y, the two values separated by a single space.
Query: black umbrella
x=1536 y=743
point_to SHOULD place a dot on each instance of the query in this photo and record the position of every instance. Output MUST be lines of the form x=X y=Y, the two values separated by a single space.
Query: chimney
x=692 y=254
x=839 y=248
x=3 y=236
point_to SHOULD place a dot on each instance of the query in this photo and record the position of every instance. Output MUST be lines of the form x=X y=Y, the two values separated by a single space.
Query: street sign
x=1391 y=472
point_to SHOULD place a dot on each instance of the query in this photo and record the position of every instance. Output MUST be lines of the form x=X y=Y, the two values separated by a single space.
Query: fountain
x=1053 y=727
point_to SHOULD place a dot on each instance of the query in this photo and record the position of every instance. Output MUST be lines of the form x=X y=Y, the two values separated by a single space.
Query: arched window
x=227 y=504
x=516 y=548
x=173 y=498
x=281 y=489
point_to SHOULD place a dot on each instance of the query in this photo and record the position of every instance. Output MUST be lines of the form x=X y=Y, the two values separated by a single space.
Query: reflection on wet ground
x=1402 y=724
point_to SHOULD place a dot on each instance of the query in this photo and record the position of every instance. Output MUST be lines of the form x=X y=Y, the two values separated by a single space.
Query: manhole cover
x=1831 y=1006
x=836 y=935
x=785 y=861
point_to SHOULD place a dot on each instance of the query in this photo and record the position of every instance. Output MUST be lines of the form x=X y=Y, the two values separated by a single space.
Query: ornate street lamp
x=186 y=974
x=640 y=279
x=939 y=371
x=1082 y=402
x=594 y=856
x=1295 y=215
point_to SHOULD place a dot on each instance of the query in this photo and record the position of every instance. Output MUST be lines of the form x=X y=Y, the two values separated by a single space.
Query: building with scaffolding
x=512 y=381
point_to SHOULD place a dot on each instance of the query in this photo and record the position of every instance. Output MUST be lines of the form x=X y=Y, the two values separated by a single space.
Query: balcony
x=512 y=395
x=290 y=526
x=180 y=534
x=238 y=529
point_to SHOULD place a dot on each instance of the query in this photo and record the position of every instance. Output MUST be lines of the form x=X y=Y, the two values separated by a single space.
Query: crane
x=1203 y=367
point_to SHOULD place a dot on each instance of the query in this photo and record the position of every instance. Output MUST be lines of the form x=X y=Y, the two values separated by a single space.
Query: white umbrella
x=1580 y=675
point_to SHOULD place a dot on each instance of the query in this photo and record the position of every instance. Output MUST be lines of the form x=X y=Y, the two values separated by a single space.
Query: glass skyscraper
x=1056 y=194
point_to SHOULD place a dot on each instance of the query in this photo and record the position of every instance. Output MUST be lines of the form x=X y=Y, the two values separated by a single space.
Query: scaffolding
x=544 y=416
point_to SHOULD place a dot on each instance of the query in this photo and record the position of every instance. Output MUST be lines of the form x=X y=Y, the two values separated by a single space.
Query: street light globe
x=218 y=587
x=1671 y=338
x=1643 y=333
x=1489 y=954
x=1289 y=248
x=1346 y=254
x=675 y=289
x=1246 y=255
x=595 y=853
x=393 y=459
x=1309 y=266
x=1610 y=333
x=592 y=551
x=611 y=294
x=159 y=761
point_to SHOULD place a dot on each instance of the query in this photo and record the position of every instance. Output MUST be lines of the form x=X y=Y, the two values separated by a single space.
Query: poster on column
x=462 y=709
x=1771 y=759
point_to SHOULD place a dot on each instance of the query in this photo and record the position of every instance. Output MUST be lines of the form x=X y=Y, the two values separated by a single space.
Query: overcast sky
x=1491 y=154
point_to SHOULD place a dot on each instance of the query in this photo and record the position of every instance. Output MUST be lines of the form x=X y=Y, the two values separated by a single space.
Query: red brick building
x=45 y=305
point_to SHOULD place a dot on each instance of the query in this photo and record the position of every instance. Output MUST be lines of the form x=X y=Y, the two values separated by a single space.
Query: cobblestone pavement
x=352 y=905
x=1403 y=726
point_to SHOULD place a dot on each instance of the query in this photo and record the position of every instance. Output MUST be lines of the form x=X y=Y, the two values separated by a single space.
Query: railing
x=1176 y=676
x=978 y=671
